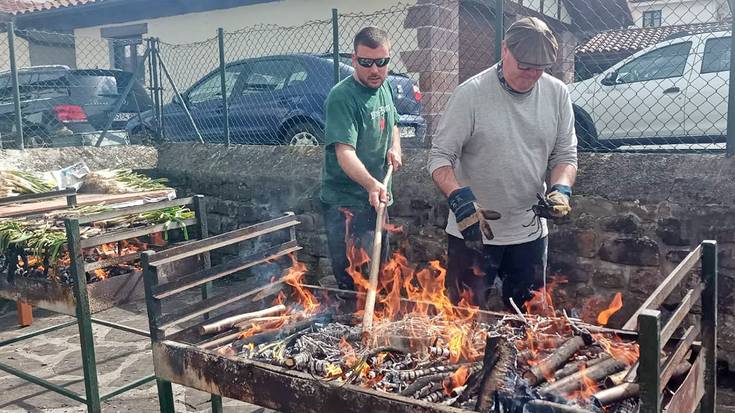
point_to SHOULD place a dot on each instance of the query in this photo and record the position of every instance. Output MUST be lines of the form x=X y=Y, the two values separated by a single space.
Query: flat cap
x=532 y=43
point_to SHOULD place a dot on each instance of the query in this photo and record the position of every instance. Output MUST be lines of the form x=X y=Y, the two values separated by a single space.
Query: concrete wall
x=634 y=216
x=133 y=157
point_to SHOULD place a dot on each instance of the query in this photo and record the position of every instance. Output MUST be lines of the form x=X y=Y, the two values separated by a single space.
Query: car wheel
x=304 y=134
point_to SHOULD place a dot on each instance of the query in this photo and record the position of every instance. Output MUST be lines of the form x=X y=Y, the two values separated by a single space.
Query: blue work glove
x=471 y=218
x=556 y=202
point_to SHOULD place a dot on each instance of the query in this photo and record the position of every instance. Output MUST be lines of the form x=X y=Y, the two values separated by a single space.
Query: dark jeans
x=361 y=232
x=521 y=267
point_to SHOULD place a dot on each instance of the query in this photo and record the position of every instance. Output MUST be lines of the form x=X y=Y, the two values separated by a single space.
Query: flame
x=615 y=306
x=457 y=379
x=101 y=273
x=393 y=228
x=293 y=277
x=626 y=352
x=333 y=370
x=589 y=387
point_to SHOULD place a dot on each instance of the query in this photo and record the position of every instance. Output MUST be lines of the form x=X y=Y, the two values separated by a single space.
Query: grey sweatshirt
x=502 y=146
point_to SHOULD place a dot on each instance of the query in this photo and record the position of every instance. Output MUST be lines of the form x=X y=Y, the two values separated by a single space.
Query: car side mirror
x=610 y=79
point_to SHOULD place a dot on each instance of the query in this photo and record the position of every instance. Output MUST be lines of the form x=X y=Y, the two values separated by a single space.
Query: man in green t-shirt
x=361 y=140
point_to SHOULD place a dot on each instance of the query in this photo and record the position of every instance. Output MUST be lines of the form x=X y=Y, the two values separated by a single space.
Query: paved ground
x=122 y=357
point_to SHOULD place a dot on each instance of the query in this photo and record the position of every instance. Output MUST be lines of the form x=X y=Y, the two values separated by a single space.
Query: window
x=273 y=75
x=716 y=55
x=126 y=53
x=211 y=87
x=666 y=62
x=652 y=18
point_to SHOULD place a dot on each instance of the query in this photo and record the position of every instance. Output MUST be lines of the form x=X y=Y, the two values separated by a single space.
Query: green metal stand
x=92 y=398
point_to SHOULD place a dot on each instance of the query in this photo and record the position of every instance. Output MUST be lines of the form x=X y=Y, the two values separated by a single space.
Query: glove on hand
x=471 y=218
x=555 y=204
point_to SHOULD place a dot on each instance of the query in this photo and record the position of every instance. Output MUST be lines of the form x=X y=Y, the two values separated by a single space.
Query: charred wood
x=576 y=381
x=547 y=366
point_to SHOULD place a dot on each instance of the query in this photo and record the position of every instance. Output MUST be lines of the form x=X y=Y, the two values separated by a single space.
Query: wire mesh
x=642 y=75
x=69 y=89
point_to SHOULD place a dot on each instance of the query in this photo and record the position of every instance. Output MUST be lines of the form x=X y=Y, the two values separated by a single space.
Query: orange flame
x=293 y=277
x=615 y=306
x=589 y=387
x=457 y=379
x=101 y=273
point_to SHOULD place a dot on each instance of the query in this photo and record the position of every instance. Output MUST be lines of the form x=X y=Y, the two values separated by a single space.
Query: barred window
x=652 y=18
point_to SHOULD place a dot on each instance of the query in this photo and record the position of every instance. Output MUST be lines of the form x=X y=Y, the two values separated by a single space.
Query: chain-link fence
x=641 y=76
x=70 y=90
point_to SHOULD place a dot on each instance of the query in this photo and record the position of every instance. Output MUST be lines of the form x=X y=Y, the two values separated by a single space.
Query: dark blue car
x=273 y=100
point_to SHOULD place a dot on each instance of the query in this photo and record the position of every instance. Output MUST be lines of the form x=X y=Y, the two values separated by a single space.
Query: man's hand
x=394 y=158
x=471 y=218
x=556 y=202
x=377 y=193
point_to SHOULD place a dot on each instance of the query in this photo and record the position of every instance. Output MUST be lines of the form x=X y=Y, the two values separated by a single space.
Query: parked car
x=62 y=106
x=673 y=92
x=272 y=100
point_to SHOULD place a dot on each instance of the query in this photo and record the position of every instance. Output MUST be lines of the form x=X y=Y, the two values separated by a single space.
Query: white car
x=673 y=92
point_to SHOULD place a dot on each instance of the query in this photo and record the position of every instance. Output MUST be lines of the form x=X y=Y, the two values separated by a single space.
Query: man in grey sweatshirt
x=505 y=131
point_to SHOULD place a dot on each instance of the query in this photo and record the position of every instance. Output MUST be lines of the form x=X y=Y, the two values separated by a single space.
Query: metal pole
x=16 y=89
x=731 y=89
x=649 y=369
x=137 y=75
x=225 y=111
x=335 y=44
x=178 y=95
x=84 y=316
x=499 y=28
x=156 y=85
x=709 y=325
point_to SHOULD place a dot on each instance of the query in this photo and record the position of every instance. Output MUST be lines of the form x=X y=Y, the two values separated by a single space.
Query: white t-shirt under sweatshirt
x=502 y=145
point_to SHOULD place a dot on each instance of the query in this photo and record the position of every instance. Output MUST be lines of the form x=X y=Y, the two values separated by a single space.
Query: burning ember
x=422 y=346
x=33 y=266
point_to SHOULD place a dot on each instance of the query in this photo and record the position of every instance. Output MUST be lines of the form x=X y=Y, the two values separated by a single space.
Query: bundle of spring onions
x=119 y=181
x=13 y=183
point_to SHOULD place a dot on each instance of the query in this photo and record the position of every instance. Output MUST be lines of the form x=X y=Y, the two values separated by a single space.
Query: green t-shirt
x=362 y=118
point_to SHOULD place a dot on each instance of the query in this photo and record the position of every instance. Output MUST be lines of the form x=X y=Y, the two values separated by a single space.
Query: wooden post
x=25 y=313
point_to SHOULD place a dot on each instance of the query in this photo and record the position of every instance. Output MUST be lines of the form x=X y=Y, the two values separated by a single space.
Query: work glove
x=555 y=204
x=471 y=218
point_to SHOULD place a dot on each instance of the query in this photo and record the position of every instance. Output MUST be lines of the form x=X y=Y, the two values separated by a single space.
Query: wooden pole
x=367 y=320
x=227 y=323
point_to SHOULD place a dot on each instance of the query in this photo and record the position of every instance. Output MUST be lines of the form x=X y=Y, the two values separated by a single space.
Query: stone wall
x=48 y=159
x=634 y=216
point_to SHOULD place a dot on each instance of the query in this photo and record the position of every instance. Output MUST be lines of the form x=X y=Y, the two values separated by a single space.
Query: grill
x=209 y=355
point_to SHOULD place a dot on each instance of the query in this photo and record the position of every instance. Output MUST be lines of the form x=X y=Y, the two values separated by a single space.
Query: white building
x=656 y=13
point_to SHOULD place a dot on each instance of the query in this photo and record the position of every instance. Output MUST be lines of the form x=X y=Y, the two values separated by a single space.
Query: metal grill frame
x=75 y=299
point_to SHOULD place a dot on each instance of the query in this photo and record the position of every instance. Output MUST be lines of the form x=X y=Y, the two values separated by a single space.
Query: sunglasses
x=365 y=62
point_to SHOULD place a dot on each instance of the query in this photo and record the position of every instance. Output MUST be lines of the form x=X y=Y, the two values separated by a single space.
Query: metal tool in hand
x=540 y=210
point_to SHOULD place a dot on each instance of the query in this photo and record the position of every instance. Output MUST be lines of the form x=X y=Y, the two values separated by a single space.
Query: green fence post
x=84 y=317
x=335 y=44
x=156 y=85
x=499 y=28
x=731 y=88
x=16 y=88
x=223 y=81
x=709 y=325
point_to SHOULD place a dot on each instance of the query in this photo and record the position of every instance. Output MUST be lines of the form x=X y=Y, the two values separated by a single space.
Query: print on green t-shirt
x=362 y=118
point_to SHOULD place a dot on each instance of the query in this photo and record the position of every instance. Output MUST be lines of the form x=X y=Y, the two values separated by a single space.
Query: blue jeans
x=361 y=231
x=521 y=267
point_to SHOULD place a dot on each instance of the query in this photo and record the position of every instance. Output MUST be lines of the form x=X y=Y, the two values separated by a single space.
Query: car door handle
x=674 y=89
